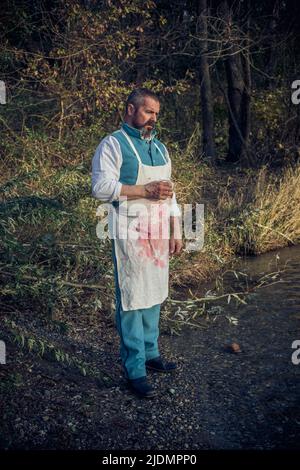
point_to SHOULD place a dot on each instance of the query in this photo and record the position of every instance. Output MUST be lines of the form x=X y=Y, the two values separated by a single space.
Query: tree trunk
x=238 y=89
x=272 y=52
x=205 y=86
x=246 y=110
x=141 y=72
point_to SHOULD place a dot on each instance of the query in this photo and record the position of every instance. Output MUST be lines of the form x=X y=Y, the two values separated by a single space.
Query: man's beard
x=146 y=132
x=143 y=128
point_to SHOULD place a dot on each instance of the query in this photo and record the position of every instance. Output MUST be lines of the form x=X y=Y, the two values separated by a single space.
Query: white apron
x=143 y=257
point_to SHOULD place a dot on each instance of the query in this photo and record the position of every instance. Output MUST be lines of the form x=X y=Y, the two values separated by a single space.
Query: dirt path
x=216 y=400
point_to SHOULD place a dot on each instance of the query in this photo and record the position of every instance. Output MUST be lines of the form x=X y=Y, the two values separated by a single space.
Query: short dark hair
x=137 y=96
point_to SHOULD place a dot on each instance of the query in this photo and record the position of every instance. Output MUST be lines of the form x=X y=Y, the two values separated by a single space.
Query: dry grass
x=278 y=205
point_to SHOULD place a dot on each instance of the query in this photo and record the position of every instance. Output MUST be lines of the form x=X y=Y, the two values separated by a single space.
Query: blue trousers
x=138 y=330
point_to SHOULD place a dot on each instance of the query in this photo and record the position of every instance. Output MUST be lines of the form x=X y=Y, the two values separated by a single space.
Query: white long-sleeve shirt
x=106 y=166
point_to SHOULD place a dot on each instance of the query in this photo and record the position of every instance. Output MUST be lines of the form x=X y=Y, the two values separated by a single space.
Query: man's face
x=145 y=116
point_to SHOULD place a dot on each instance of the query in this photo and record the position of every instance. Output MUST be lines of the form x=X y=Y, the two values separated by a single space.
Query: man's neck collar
x=134 y=132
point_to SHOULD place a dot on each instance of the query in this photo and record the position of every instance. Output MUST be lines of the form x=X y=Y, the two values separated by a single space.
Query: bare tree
x=237 y=69
x=205 y=85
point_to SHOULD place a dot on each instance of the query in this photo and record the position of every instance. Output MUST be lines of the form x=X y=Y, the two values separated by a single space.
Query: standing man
x=131 y=169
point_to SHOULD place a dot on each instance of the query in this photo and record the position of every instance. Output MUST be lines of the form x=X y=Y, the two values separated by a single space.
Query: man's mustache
x=152 y=124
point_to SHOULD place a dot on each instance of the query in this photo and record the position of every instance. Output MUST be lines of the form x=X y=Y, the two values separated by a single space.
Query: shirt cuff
x=175 y=210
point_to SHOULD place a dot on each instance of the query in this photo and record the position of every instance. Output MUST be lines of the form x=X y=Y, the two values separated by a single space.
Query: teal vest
x=147 y=150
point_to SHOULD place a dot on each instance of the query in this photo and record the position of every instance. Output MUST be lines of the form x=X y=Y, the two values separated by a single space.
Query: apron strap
x=132 y=146
x=161 y=152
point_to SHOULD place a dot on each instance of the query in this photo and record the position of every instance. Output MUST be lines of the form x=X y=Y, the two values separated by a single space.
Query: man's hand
x=158 y=190
x=175 y=243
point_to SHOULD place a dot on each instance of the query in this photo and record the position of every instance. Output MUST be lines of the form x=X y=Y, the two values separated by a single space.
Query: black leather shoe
x=159 y=365
x=141 y=387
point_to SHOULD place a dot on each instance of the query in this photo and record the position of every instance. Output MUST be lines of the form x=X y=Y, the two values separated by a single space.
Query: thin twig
x=66 y=283
x=187 y=323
